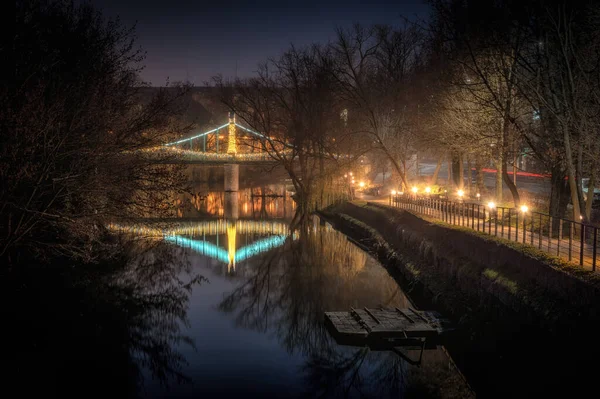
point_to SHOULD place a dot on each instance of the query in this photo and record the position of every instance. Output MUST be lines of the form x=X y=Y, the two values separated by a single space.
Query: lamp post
x=415 y=190
x=491 y=206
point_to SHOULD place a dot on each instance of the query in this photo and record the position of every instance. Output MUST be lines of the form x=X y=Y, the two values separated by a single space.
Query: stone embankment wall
x=464 y=272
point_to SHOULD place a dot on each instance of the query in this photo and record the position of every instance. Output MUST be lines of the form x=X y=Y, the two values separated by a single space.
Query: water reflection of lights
x=210 y=227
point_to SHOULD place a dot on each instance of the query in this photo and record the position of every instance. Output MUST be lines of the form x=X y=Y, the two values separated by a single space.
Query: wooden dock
x=385 y=327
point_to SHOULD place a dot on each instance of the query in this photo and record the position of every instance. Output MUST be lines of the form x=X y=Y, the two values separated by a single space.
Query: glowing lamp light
x=524 y=208
x=346 y=175
x=401 y=193
x=361 y=184
x=461 y=193
x=491 y=205
x=478 y=195
x=414 y=190
x=393 y=192
x=351 y=174
x=427 y=190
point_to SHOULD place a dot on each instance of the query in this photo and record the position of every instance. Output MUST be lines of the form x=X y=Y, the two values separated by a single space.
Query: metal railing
x=573 y=241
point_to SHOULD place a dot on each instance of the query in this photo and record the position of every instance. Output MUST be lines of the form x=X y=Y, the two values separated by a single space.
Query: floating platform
x=385 y=328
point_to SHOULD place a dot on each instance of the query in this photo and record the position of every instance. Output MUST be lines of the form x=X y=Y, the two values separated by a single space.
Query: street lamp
x=361 y=184
x=427 y=190
x=491 y=205
x=415 y=189
x=393 y=192
x=478 y=196
x=461 y=193
x=524 y=208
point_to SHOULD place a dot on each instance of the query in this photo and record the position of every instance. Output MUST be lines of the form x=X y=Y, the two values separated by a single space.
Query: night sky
x=195 y=40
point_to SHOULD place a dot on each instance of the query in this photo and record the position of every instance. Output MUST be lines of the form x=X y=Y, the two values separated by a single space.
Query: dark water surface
x=256 y=326
x=224 y=300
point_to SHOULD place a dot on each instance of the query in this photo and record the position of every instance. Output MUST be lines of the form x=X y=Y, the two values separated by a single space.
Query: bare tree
x=292 y=104
x=74 y=123
x=373 y=70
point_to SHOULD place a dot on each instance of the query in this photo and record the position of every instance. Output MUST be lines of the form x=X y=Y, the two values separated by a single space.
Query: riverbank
x=470 y=270
x=517 y=315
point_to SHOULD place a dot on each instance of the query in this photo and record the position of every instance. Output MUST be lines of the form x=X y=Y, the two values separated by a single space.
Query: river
x=224 y=299
x=255 y=325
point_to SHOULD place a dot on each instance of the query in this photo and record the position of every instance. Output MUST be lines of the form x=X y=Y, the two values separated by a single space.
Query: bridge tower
x=231 y=143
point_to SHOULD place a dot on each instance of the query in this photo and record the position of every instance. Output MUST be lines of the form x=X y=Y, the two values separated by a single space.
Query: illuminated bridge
x=183 y=235
x=206 y=148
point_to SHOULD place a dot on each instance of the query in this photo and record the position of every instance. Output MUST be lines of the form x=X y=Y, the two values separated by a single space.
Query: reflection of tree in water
x=99 y=326
x=290 y=290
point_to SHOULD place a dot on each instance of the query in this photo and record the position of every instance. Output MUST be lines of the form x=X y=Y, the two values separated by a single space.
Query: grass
x=532 y=252
x=496 y=277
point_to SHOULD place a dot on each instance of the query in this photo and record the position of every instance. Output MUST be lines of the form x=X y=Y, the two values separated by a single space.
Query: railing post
x=549 y=233
x=540 y=237
x=531 y=238
x=570 y=241
x=525 y=227
x=581 y=244
x=496 y=223
x=560 y=225
x=502 y=232
x=454 y=213
x=516 y=227
x=594 y=249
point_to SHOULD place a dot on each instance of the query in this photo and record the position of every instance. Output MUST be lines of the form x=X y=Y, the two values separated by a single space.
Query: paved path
x=568 y=246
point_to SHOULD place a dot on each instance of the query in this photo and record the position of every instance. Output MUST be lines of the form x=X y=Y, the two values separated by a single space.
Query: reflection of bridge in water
x=187 y=234
x=265 y=202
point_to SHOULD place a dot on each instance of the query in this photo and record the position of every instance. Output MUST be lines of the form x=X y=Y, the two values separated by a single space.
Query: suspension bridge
x=214 y=147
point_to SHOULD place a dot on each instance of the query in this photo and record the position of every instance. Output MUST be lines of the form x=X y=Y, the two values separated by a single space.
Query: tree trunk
x=438 y=166
x=590 y=194
x=469 y=174
x=559 y=197
x=511 y=185
x=480 y=182
x=571 y=172
x=461 y=172
x=449 y=172
x=499 y=177
x=396 y=166
x=456 y=173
